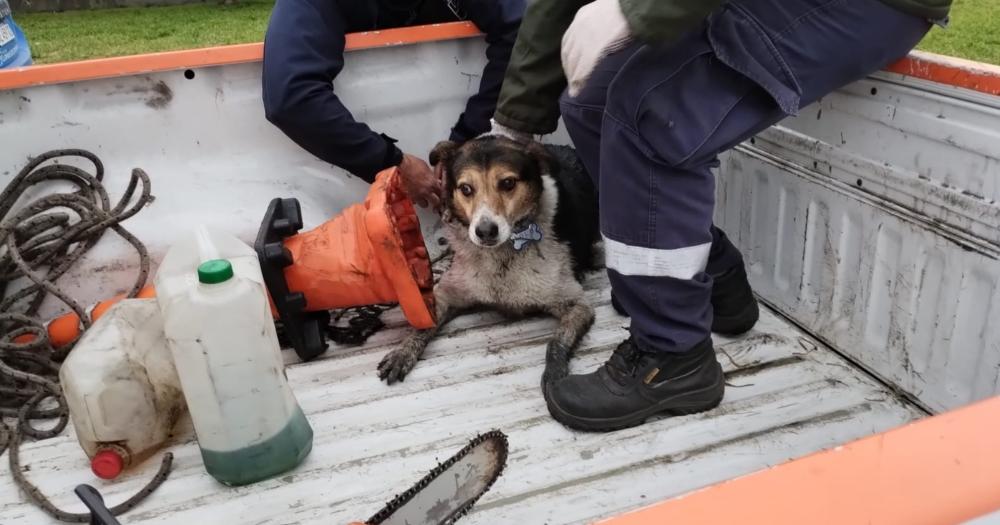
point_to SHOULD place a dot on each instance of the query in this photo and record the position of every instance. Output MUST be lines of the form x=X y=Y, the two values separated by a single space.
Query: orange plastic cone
x=371 y=253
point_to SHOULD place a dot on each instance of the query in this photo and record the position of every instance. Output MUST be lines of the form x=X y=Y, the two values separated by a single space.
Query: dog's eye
x=466 y=190
x=508 y=184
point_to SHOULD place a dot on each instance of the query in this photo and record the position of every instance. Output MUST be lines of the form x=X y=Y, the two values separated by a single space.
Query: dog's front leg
x=575 y=319
x=396 y=364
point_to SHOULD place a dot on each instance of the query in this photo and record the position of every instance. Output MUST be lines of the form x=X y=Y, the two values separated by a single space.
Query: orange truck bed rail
x=940 y=470
x=966 y=74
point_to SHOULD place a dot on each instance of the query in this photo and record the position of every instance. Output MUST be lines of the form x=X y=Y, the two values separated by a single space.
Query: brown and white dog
x=521 y=220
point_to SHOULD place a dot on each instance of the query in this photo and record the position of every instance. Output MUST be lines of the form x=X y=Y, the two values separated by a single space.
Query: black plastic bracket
x=99 y=513
x=305 y=329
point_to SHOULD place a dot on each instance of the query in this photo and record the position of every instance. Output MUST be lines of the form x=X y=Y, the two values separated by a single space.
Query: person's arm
x=303 y=53
x=500 y=20
x=529 y=98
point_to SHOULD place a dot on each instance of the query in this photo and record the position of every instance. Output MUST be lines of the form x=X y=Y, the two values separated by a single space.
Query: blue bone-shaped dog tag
x=526 y=236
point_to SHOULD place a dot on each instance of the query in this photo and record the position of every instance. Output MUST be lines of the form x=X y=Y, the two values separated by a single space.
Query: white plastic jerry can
x=219 y=327
x=123 y=394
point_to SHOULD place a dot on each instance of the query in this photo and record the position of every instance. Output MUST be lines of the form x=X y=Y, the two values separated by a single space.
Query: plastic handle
x=99 y=514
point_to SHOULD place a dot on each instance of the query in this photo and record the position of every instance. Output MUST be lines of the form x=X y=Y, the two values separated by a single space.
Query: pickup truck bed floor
x=788 y=396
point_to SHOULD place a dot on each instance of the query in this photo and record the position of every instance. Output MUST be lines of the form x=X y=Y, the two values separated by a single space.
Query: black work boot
x=634 y=385
x=734 y=307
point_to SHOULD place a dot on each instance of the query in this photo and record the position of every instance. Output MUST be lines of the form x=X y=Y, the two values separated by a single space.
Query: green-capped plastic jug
x=219 y=327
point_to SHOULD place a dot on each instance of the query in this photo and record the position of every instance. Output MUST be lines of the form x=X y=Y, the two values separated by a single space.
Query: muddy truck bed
x=787 y=396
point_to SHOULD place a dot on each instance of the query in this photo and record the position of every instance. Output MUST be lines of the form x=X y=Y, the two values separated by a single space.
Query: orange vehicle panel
x=946 y=70
x=940 y=470
x=957 y=72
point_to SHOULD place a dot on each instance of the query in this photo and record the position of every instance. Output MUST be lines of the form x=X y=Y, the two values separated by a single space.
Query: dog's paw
x=396 y=364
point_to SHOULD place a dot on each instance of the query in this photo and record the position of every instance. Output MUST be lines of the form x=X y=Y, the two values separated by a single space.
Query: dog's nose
x=487 y=231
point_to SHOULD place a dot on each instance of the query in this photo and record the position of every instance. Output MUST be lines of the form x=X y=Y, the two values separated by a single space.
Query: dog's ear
x=441 y=157
x=443 y=152
x=547 y=164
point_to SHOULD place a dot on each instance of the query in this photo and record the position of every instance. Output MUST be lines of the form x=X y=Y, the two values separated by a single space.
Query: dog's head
x=493 y=185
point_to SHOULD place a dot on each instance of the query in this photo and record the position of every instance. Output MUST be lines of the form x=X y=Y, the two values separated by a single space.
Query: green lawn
x=78 y=35
x=56 y=37
x=974 y=32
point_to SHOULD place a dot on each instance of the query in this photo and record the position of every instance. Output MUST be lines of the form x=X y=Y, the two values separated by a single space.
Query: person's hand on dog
x=497 y=128
x=421 y=183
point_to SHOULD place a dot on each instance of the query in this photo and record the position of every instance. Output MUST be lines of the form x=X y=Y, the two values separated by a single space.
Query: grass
x=974 y=32
x=79 y=35
x=75 y=35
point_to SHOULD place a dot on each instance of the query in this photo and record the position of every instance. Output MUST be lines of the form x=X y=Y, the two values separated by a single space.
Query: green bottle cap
x=215 y=271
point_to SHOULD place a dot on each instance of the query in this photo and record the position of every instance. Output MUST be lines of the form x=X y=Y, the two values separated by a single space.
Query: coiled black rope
x=40 y=242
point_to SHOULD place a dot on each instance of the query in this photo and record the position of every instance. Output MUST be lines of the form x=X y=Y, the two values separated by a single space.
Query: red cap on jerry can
x=107 y=464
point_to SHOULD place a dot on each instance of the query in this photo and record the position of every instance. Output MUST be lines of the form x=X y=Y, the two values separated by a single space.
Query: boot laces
x=624 y=361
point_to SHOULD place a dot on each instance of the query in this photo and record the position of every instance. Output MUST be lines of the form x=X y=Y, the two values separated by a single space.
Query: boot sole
x=679 y=405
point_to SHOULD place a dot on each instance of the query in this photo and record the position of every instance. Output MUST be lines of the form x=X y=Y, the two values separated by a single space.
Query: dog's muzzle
x=488 y=230
x=488 y=233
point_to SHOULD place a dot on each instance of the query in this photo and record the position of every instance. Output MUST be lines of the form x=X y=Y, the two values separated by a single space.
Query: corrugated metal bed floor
x=788 y=396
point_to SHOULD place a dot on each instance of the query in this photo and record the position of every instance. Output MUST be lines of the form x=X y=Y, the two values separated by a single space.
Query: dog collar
x=531 y=233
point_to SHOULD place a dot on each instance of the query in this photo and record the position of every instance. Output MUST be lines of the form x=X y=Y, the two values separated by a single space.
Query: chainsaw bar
x=480 y=470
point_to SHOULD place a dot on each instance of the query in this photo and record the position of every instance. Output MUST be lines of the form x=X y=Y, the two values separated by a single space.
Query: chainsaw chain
x=494 y=435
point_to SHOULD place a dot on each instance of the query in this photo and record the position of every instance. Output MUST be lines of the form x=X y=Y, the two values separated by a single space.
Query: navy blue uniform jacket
x=304 y=52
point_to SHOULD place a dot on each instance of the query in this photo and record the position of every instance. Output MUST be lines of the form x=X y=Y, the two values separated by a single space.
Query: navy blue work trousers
x=651 y=121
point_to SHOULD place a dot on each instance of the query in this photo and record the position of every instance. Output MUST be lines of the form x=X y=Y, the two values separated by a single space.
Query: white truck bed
x=872 y=219
x=788 y=396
